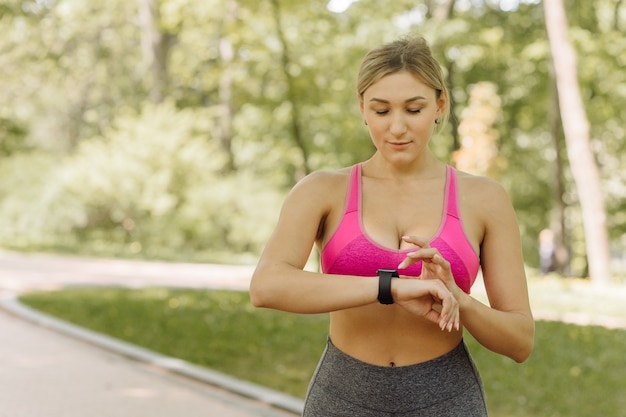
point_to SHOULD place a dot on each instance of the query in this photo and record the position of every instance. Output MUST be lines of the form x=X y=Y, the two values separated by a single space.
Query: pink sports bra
x=351 y=252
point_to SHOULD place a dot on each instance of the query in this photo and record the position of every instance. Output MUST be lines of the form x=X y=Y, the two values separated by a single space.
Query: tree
x=296 y=122
x=558 y=224
x=580 y=153
x=258 y=77
x=227 y=55
x=154 y=46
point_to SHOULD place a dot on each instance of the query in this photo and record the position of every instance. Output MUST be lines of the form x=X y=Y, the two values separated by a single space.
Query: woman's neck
x=426 y=167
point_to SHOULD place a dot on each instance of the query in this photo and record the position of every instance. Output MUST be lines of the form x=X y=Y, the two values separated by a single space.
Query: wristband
x=384 y=285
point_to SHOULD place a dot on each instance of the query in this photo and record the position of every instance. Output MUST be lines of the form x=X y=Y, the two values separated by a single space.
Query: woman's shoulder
x=325 y=180
x=321 y=188
x=482 y=191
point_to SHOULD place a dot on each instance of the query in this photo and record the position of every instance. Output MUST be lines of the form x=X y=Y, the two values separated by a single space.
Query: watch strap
x=384 y=285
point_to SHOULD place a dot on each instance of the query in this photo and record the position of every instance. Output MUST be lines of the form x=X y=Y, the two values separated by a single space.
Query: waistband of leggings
x=458 y=353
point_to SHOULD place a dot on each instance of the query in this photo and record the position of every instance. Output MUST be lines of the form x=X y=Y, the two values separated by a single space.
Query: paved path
x=19 y=272
x=49 y=368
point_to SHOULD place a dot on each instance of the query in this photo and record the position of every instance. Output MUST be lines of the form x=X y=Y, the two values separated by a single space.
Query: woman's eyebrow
x=408 y=100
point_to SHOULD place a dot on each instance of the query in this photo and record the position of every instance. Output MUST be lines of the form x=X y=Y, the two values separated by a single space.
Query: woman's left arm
x=506 y=326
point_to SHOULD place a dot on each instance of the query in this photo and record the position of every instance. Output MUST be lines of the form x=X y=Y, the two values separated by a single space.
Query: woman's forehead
x=401 y=85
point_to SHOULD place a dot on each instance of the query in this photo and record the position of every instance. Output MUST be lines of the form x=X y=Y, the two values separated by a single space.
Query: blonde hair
x=410 y=53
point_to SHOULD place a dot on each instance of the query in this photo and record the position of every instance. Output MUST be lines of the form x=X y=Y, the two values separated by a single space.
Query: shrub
x=152 y=184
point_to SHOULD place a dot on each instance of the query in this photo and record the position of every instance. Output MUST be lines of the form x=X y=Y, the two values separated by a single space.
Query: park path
x=54 y=369
x=21 y=272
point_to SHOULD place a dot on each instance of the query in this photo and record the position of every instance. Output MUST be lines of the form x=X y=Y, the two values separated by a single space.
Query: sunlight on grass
x=572 y=300
x=576 y=297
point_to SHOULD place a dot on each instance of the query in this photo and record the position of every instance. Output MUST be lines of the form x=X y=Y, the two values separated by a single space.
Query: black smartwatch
x=384 y=285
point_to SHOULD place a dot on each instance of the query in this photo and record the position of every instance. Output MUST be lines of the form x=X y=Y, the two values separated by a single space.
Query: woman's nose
x=398 y=126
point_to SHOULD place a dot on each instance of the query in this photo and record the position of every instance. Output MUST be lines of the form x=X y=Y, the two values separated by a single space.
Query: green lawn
x=574 y=370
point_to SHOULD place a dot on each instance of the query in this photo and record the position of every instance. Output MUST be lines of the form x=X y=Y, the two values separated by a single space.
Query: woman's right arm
x=279 y=281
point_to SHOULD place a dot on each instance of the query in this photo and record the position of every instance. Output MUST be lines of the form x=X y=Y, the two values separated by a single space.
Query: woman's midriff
x=388 y=335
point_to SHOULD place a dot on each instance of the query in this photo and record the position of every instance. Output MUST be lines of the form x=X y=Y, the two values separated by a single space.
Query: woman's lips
x=399 y=145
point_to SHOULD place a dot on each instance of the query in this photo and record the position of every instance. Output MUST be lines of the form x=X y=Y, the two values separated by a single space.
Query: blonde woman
x=402 y=236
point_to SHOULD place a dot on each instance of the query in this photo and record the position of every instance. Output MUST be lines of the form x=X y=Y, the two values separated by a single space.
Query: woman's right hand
x=427 y=298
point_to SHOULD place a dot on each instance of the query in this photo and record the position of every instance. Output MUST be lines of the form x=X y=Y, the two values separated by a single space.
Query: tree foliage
x=252 y=95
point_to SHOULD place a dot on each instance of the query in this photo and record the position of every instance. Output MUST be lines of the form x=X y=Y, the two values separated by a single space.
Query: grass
x=574 y=370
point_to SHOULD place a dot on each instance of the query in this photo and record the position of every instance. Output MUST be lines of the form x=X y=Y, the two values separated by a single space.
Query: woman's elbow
x=526 y=345
x=523 y=353
x=258 y=296
x=255 y=298
x=261 y=293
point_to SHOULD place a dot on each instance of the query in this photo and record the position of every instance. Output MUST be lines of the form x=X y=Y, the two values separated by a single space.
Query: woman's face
x=400 y=112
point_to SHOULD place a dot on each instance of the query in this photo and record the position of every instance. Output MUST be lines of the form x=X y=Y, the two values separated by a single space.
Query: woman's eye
x=381 y=112
x=414 y=110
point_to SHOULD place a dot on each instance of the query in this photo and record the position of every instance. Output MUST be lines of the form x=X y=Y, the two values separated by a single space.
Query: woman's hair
x=410 y=53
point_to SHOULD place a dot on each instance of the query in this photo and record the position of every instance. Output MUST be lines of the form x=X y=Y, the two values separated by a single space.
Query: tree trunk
x=558 y=224
x=454 y=119
x=442 y=11
x=227 y=56
x=616 y=22
x=580 y=154
x=154 y=47
x=291 y=95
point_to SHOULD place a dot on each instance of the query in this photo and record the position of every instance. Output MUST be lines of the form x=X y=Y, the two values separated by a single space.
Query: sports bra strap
x=452 y=206
x=354 y=190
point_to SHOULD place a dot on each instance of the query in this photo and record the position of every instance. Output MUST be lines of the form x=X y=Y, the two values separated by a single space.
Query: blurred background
x=173 y=129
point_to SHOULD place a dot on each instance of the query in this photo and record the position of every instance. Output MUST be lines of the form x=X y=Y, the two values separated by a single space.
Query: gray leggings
x=447 y=386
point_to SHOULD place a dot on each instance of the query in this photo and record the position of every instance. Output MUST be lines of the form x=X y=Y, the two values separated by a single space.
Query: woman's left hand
x=434 y=266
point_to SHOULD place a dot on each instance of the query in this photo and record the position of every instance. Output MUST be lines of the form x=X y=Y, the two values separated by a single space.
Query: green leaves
x=75 y=81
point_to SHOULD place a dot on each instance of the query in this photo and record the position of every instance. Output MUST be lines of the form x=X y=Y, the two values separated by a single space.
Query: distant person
x=402 y=236
x=547 y=250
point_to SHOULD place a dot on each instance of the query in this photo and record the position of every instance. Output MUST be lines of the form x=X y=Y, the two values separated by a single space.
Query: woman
x=402 y=236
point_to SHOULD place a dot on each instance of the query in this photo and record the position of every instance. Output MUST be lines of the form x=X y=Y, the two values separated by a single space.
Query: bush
x=151 y=185
x=30 y=213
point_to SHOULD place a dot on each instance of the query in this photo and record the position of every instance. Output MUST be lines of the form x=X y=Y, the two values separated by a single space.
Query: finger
x=417 y=241
x=406 y=262
x=456 y=323
x=453 y=322
x=425 y=254
x=434 y=316
x=441 y=261
x=449 y=312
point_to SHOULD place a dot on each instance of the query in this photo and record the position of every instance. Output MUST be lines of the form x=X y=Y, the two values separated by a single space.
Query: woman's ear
x=361 y=105
x=362 y=108
x=442 y=102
